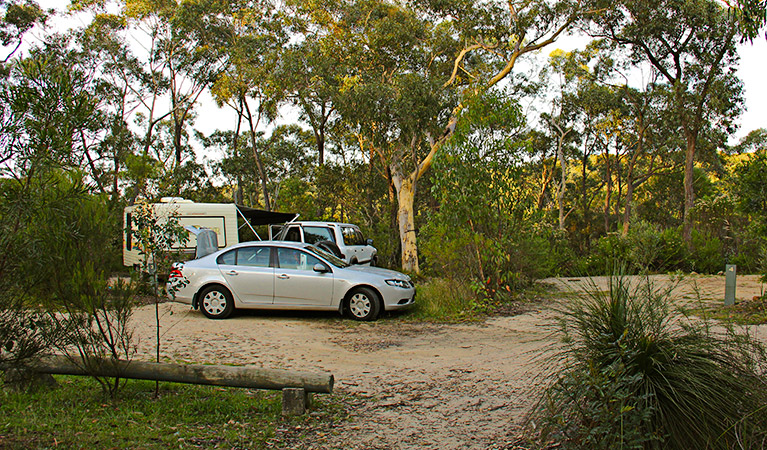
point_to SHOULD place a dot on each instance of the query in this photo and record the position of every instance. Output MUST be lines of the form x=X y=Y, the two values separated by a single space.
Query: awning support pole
x=247 y=222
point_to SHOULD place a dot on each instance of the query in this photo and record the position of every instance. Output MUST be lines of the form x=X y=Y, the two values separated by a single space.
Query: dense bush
x=646 y=248
x=636 y=373
x=487 y=227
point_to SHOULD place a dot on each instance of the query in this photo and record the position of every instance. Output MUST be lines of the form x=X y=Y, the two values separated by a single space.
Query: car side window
x=293 y=234
x=312 y=235
x=291 y=258
x=228 y=258
x=253 y=256
x=352 y=236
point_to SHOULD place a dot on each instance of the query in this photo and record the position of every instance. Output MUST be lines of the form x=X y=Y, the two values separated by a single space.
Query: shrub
x=447 y=300
x=706 y=256
x=607 y=250
x=637 y=373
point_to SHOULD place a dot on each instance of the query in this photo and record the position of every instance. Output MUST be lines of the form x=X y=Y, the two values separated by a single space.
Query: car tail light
x=175 y=273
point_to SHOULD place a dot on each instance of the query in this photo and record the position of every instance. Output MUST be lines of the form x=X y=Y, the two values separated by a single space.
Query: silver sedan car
x=286 y=275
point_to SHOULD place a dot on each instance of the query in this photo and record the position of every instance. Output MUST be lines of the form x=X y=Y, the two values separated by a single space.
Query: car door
x=297 y=284
x=357 y=250
x=249 y=274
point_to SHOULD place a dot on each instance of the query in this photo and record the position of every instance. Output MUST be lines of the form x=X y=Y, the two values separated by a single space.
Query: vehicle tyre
x=362 y=304
x=216 y=302
x=329 y=246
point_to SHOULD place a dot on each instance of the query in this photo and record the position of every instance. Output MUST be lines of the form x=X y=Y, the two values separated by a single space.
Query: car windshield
x=329 y=257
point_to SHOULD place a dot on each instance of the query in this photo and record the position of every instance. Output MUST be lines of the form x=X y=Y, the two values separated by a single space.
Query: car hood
x=386 y=273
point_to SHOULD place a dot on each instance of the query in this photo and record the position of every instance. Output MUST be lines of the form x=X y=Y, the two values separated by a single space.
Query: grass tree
x=638 y=373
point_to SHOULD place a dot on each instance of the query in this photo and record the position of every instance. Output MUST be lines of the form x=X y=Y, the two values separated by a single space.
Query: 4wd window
x=352 y=236
x=312 y=235
x=293 y=234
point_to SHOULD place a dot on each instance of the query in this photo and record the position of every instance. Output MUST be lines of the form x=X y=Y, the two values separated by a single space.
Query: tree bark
x=405 y=188
x=257 y=157
x=689 y=189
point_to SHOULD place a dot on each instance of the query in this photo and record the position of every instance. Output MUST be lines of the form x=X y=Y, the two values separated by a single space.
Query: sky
x=752 y=71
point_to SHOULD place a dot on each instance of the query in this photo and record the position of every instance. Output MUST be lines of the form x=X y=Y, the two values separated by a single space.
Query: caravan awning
x=261 y=217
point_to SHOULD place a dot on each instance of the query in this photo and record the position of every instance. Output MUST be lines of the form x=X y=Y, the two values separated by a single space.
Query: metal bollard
x=730 y=274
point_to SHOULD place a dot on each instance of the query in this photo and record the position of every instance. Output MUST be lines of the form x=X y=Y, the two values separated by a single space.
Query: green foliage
x=486 y=227
x=633 y=371
x=446 y=300
x=73 y=266
x=607 y=416
x=649 y=248
x=25 y=330
x=751 y=191
x=155 y=238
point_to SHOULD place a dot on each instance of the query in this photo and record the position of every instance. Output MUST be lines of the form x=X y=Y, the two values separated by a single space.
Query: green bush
x=607 y=250
x=647 y=249
x=447 y=300
x=635 y=372
x=707 y=254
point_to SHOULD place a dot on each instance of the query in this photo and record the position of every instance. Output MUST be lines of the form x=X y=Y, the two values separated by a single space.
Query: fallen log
x=217 y=375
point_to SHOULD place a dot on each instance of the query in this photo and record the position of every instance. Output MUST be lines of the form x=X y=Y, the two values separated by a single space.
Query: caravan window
x=128 y=232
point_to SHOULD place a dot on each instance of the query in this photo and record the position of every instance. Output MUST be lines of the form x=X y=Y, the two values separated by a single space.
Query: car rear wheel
x=216 y=302
x=362 y=304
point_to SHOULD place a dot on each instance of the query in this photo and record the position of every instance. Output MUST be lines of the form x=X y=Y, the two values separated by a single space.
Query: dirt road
x=416 y=386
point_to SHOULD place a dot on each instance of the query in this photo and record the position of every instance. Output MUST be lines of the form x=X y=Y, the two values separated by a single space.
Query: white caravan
x=222 y=218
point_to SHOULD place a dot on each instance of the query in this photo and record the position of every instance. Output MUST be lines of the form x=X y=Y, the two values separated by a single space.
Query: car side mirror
x=321 y=268
x=369 y=242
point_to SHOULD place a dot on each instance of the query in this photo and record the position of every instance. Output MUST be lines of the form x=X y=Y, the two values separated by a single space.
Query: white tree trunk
x=406 y=220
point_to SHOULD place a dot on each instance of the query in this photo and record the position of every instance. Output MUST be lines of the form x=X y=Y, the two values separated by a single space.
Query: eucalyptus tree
x=185 y=39
x=411 y=66
x=692 y=45
x=161 y=57
x=16 y=18
x=561 y=76
x=310 y=71
x=247 y=84
x=751 y=15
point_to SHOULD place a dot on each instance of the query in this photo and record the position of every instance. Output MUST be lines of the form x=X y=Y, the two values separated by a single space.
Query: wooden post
x=293 y=401
x=233 y=376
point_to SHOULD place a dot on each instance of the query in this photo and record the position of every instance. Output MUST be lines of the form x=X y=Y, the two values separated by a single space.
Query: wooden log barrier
x=217 y=375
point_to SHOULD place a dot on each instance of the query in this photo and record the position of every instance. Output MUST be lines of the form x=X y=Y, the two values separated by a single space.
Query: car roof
x=269 y=243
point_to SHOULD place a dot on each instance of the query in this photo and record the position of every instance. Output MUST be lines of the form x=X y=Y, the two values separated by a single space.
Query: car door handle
x=232 y=272
x=283 y=277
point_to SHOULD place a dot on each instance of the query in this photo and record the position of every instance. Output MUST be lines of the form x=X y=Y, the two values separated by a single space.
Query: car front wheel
x=216 y=302
x=362 y=304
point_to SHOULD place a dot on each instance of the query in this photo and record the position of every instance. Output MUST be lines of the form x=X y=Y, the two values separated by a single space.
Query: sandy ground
x=414 y=386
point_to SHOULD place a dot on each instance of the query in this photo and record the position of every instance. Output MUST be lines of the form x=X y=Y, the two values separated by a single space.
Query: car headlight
x=399 y=283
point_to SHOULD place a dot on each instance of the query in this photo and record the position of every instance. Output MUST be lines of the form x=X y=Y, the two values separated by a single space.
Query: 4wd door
x=356 y=248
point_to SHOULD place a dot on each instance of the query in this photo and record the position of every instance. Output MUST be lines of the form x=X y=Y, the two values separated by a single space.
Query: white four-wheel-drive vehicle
x=344 y=240
x=286 y=275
